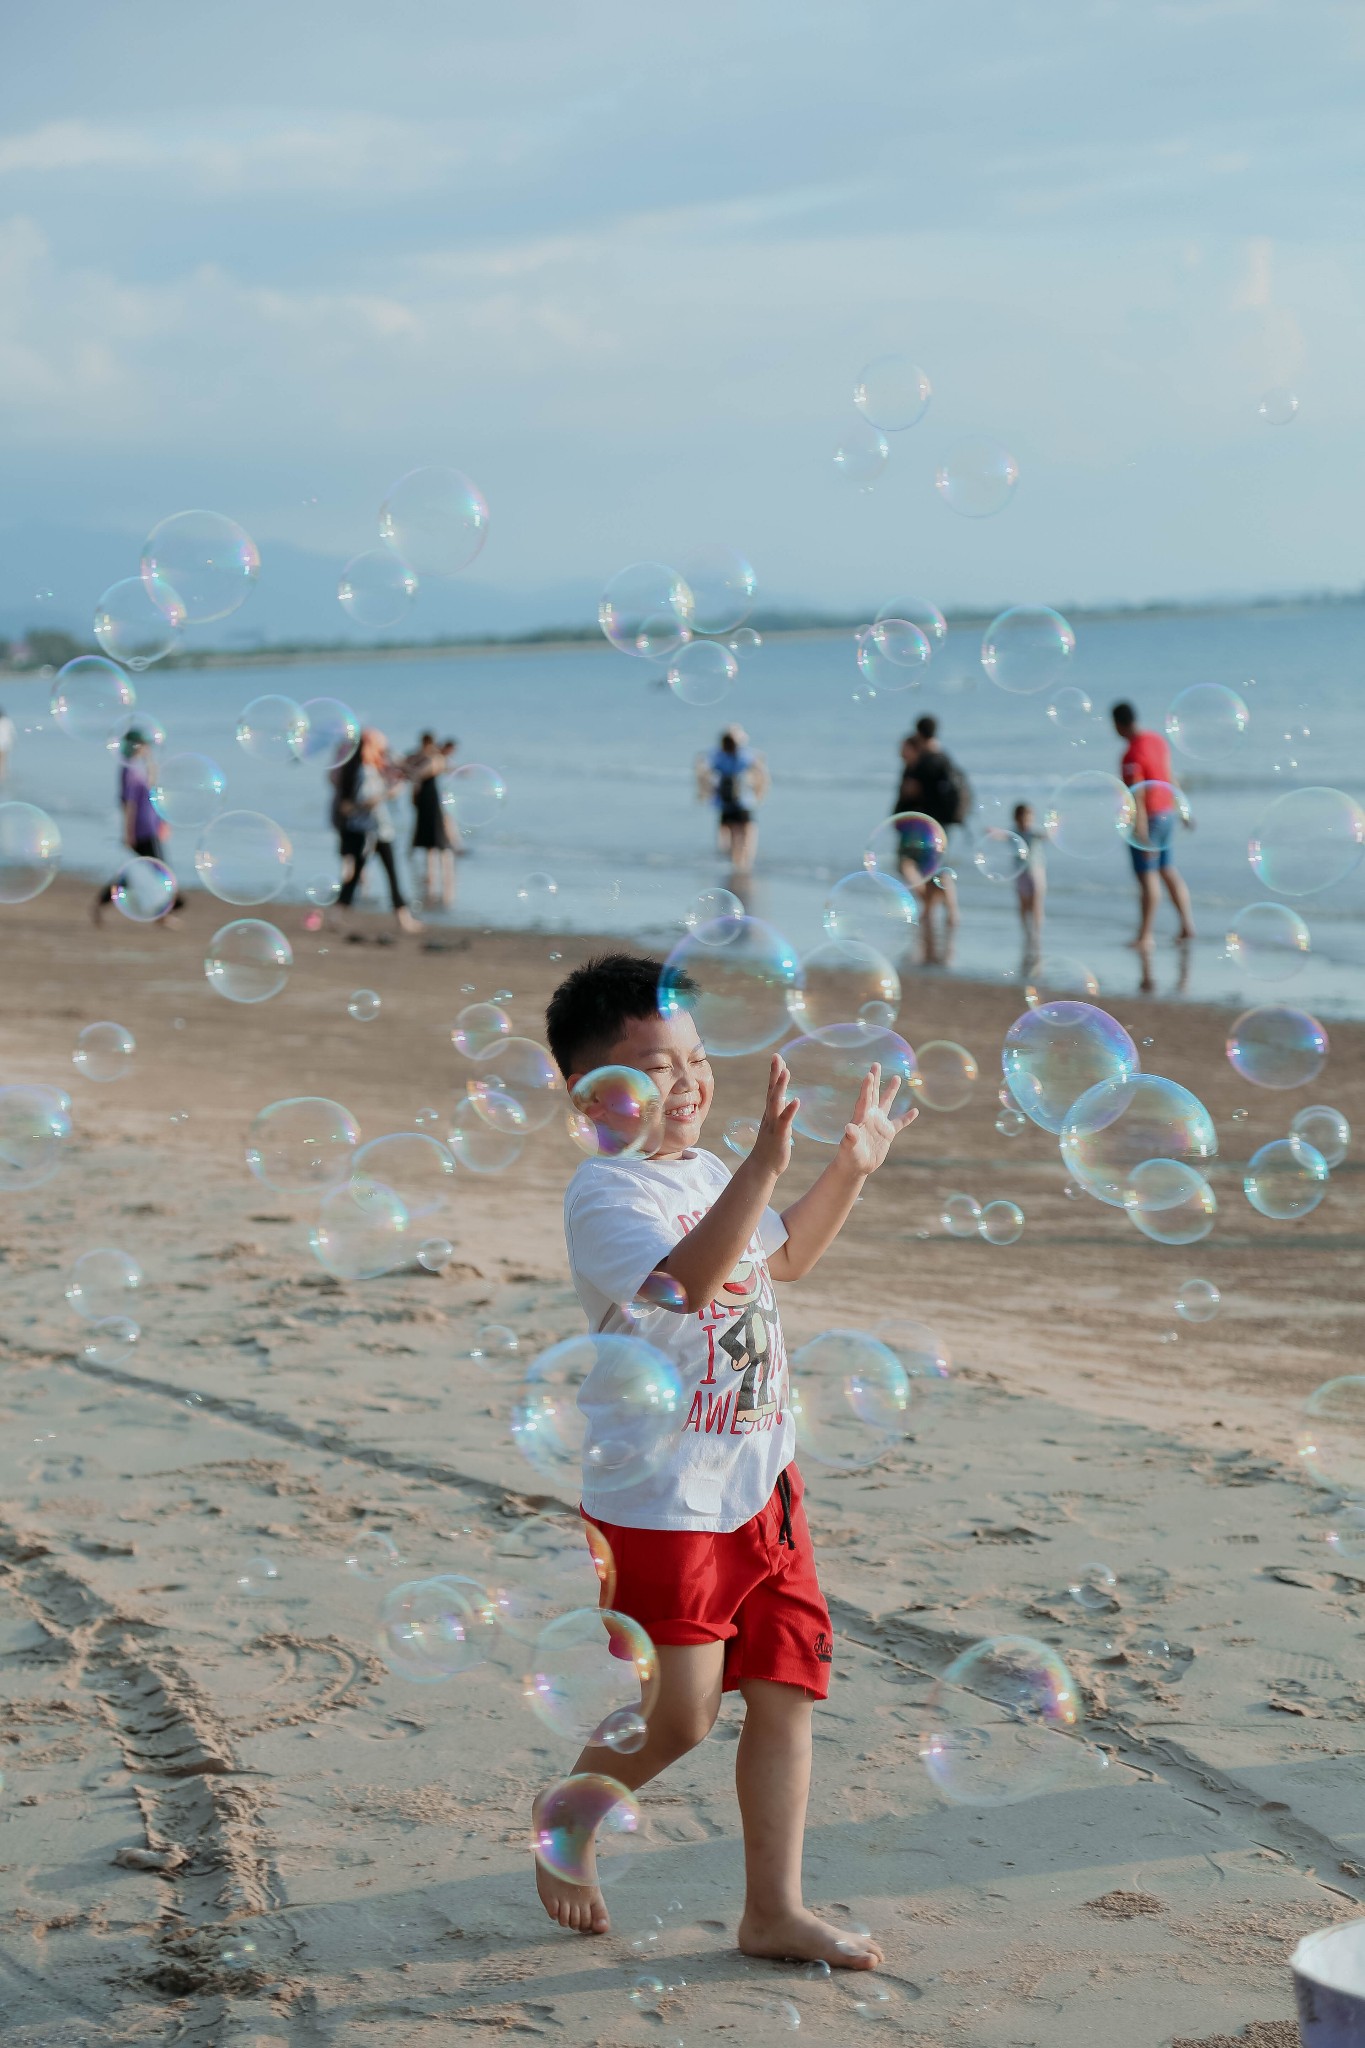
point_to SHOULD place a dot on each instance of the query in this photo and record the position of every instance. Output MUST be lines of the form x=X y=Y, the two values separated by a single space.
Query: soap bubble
x=436 y=519
x=333 y=732
x=35 y=1130
x=416 y=1168
x=624 y=1731
x=30 y=852
x=1071 y=713
x=1089 y=814
x=976 y=478
x=476 y=1143
x=1285 y=1179
x=144 y=891
x=209 y=562
x=892 y=392
x=255 y=1576
x=1332 y=1445
x=1169 y=1202
x=188 y=790
x=1307 y=840
x=999 y=855
x=1278 y=406
x=1196 y=1301
x=273 y=729
x=744 y=976
x=249 y=961
x=1011 y=1123
x=92 y=699
x=1054 y=1052
x=358 y=1238
x=960 y=1215
x=892 y=654
x=523 y=1070
x=1094 y=1588
x=1001 y=1223
x=1119 y=1124
x=1151 y=800
x=646 y=610
x=945 y=1075
x=243 y=857
x=1269 y=941
x=874 y=907
x=546 y=1565
x=429 y=1632
x=139 y=621
x=322 y=891
x=504 y=1113
x=363 y=1005
x=376 y=589
x=472 y=795
x=477 y=1027
x=110 y=1340
x=104 y=1052
x=1027 y=649
x=1277 y=1047
x=103 y=1283
x=710 y=907
x=1207 y=722
x=625 y=1109
x=741 y=1135
x=850 y=1397
x=846 y=981
x=584 y=1828
x=435 y=1254
x=828 y=1068
x=861 y=455
x=494 y=1344
x=722 y=584
x=997 y=1722
x=608 y=1405
x=1056 y=976
x=587 y=1666
x=537 y=892
x=1325 y=1130
x=373 y=1554
x=922 y=1352
x=907 y=837
x=303 y=1144
x=701 y=672
x=659 y=1290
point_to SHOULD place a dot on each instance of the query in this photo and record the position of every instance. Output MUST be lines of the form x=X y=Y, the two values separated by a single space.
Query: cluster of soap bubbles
x=104 y=1288
x=691 y=619
x=432 y=525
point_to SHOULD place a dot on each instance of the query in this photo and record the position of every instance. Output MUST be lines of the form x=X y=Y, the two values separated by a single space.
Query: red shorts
x=743 y=1587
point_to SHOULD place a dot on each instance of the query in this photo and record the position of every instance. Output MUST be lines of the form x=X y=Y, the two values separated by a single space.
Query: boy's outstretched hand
x=867 y=1136
x=772 y=1149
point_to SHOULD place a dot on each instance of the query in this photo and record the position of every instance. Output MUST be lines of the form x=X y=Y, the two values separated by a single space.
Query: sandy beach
x=225 y=1822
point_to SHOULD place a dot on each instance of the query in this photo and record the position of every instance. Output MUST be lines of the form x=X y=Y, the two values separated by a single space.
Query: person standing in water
x=362 y=811
x=430 y=832
x=735 y=779
x=932 y=783
x=1146 y=769
x=144 y=832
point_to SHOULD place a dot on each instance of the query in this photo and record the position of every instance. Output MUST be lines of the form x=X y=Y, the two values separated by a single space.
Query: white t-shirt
x=621 y=1217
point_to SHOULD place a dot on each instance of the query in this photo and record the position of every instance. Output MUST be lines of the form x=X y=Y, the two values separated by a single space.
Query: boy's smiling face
x=670 y=1052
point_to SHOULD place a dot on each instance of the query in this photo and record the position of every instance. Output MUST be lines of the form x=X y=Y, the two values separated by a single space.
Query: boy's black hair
x=586 y=1011
x=1123 y=714
x=927 y=727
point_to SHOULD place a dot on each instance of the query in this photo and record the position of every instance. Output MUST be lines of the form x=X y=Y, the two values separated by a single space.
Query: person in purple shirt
x=143 y=830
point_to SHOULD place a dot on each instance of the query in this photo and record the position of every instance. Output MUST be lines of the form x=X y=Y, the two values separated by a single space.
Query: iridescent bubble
x=908 y=838
x=945 y=1075
x=1277 y=1047
x=35 y=1130
x=926 y=1358
x=478 y=1026
x=144 y=890
x=547 y=1565
x=625 y=1109
x=188 y=790
x=844 y=982
x=103 y=1283
x=1001 y=1223
x=960 y=1215
x=110 y=1340
x=358 y=1237
x=660 y=1290
x=1286 y=1179
x=997 y=1723
x=893 y=654
x=1027 y=649
x=1170 y=1202
x=104 y=1052
x=139 y=621
x=1054 y=1052
x=646 y=610
x=1118 y=1125
x=273 y=729
x=373 y=1554
x=523 y=1070
x=376 y=589
x=1268 y=941
x=744 y=641
x=737 y=978
x=248 y=961
x=209 y=562
x=1308 y=840
x=1325 y=1130
x=892 y=392
x=477 y=1144
x=588 y=1666
x=333 y=730
x=623 y=1730
x=473 y=795
x=494 y=1344
x=1150 y=800
x=861 y=455
x=504 y=1113
x=1071 y=713
x=701 y=672
x=723 y=586
x=30 y=852
x=302 y=1145
x=1207 y=722
x=976 y=478
x=537 y=893
x=828 y=1069
x=322 y=891
x=243 y=857
x=1332 y=1444
x=92 y=699
x=1011 y=1123
x=608 y=1406
x=435 y=519
x=1059 y=976
x=584 y=1828
x=874 y=907
x=1089 y=815
x=999 y=855
x=435 y=1254
x=429 y=1632
x=1278 y=406
x=741 y=1135
x=415 y=1167
x=711 y=906
x=1196 y=1301
x=850 y=1397
x=256 y=1575
x=363 y=1005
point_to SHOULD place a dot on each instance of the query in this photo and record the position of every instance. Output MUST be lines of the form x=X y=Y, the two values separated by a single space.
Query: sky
x=622 y=264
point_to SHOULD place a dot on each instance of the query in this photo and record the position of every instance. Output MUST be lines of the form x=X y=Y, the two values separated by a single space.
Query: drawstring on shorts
x=784 y=1494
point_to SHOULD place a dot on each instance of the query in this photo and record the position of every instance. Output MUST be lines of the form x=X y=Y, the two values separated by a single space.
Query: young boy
x=1030 y=884
x=713 y=1555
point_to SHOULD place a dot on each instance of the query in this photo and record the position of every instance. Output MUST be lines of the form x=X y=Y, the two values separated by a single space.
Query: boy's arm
x=816 y=1219
x=704 y=1260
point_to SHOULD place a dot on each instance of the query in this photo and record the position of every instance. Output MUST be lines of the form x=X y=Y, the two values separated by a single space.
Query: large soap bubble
x=208 y=562
x=248 y=961
x=104 y=1052
x=916 y=611
x=1307 y=840
x=519 y=1069
x=892 y=392
x=587 y=1666
x=872 y=906
x=1332 y=1444
x=722 y=584
x=30 y=852
x=861 y=456
x=646 y=610
x=1285 y=1179
x=701 y=672
x=1325 y=1129
x=361 y=1233
x=333 y=730
x=892 y=654
x=1056 y=1051
x=304 y=1144
x=35 y=1132
x=103 y=1282
x=430 y=1630
x=144 y=890
x=997 y=1723
x=472 y=795
x=850 y=1397
x=976 y=478
x=188 y=790
x=1089 y=815
x=829 y=1067
x=477 y=1026
x=625 y=1109
x=415 y=1167
x=244 y=857
x=1208 y=722
x=603 y=1407
x=584 y=1828
x=376 y=589
x=737 y=978
x=1119 y=1124
x=486 y=1136
x=1170 y=1202
x=945 y=1076
x=847 y=981
x=139 y=621
x=273 y=728
x=92 y=699
x=909 y=838
x=436 y=519
x=1028 y=649
x=1277 y=1047
x=1268 y=941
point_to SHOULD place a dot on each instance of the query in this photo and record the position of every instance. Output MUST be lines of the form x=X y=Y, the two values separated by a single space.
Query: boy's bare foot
x=577 y=1906
x=803 y=1937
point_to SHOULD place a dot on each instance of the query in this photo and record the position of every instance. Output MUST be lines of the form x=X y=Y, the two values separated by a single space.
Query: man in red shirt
x=1146 y=769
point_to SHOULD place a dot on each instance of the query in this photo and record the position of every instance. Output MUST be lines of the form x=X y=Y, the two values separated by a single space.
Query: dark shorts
x=736 y=814
x=1149 y=859
x=742 y=1587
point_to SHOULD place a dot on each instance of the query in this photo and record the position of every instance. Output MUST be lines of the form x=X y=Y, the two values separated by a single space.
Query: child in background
x=712 y=1551
x=1031 y=882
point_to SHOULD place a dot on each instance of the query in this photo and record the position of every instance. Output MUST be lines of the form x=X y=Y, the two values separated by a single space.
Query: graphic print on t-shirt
x=748 y=1344
x=744 y=1336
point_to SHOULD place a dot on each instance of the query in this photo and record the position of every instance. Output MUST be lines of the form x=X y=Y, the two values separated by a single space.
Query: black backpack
x=946 y=794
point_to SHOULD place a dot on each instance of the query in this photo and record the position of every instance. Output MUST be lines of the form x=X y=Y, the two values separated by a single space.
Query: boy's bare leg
x=684 y=1714
x=772 y=1778
x=1149 y=895
x=1180 y=896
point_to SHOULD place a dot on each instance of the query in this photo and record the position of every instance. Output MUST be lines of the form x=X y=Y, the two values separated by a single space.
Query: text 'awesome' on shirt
x=1148 y=759
x=621 y=1218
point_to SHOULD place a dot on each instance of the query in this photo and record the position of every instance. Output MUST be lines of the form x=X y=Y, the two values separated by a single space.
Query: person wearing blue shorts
x=1146 y=770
